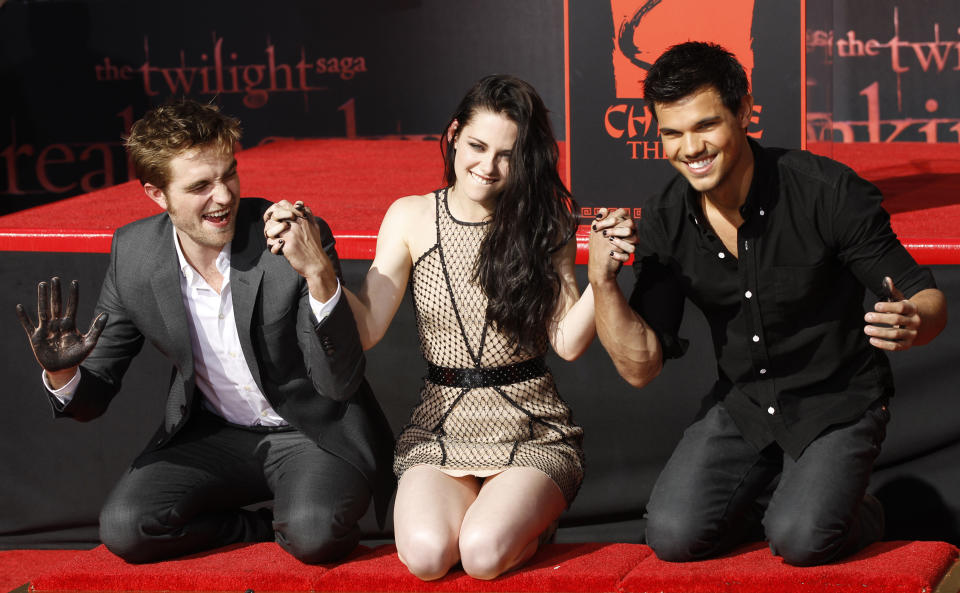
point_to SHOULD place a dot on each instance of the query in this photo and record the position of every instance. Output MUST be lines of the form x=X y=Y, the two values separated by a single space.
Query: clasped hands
x=612 y=240
x=291 y=230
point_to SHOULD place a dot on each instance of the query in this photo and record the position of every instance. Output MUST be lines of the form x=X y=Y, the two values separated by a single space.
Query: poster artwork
x=644 y=29
x=888 y=77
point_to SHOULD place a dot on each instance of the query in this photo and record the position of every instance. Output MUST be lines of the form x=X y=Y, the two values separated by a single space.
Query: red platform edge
x=885 y=567
x=362 y=246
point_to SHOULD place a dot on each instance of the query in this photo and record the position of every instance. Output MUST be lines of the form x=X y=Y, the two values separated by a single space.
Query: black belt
x=487 y=377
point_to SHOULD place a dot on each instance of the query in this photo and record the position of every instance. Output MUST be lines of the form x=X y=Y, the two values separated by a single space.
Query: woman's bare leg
x=501 y=529
x=427 y=514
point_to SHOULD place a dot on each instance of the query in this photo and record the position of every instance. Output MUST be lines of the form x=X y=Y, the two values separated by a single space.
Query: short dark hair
x=166 y=131
x=688 y=67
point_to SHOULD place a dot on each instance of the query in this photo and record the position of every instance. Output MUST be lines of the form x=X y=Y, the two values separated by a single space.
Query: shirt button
x=748 y=294
x=756 y=338
x=771 y=411
x=220 y=316
x=763 y=371
x=721 y=255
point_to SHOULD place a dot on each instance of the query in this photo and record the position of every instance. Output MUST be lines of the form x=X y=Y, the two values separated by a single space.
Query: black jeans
x=187 y=496
x=706 y=498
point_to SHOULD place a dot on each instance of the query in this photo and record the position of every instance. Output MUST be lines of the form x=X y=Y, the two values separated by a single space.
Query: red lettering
x=956 y=130
x=45 y=159
x=851 y=47
x=613 y=131
x=255 y=81
x=255 y=98
x=10 y=154
x=181 y=80
x=272 y=65
x=145 y=69
x=872 y=94
x=349 y=110
x=651 y=154
x=933 y=54
x=633 y=120
x=302 y=67
x=86 y=182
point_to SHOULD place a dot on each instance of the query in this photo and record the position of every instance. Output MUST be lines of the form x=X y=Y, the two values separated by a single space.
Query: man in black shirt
x=775 y=247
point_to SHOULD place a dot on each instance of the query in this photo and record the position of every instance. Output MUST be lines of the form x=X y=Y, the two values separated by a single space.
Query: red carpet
x=352 y=182
x=17 y=567
x=889 y=567
x=572 y=568
x=237 y=568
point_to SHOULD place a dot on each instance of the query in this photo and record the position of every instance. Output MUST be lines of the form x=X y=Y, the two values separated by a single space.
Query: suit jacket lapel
x=245 y=286
x=165 y=281
x=246 y=275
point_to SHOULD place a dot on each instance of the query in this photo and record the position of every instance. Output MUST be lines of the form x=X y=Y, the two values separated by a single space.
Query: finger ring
x=279 y=241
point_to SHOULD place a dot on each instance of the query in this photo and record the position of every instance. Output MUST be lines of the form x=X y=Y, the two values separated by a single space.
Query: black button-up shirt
x=786 y=315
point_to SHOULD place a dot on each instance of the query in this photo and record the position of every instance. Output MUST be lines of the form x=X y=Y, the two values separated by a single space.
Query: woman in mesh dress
x=490 y=456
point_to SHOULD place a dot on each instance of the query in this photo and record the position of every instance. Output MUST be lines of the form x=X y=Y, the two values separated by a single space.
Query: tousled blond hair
x=168 y=130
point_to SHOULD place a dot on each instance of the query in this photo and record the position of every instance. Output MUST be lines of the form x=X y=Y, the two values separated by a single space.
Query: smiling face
x=708 y=144
x=482 y=160
x=202 y=198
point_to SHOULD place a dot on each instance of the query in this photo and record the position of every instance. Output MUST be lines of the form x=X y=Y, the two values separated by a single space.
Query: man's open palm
x=55 y=340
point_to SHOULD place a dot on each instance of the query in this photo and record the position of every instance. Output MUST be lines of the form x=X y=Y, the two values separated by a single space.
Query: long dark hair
x=533 y=218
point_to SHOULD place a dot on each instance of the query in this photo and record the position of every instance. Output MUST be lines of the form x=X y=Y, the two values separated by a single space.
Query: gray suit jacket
x=312 y=374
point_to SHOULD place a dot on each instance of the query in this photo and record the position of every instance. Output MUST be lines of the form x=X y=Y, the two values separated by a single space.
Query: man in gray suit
x=267 y=397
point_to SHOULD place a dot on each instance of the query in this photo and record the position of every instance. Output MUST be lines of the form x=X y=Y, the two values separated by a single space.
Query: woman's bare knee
x=427 y=554
x=485 y=552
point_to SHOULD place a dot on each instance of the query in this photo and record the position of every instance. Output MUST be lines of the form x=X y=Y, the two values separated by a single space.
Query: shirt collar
x=193 y=277
x=757 y=197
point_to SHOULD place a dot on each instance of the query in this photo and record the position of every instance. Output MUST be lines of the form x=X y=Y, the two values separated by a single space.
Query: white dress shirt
x=221 y=370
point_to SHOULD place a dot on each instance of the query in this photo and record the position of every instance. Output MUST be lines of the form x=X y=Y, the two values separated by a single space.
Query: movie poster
x=883 y=71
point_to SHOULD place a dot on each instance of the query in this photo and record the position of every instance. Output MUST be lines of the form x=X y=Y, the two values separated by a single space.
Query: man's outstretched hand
x=55 y=340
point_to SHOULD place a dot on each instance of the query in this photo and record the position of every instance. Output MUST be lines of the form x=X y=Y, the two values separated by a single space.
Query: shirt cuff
x=322 y=310
x=65 y=393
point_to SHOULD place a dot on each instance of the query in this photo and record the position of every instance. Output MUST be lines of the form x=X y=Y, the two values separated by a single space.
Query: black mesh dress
x=483 y=408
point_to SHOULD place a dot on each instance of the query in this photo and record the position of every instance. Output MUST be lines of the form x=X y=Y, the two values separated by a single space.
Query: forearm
x=575 y=331
x=372 y=322
x=932 y=308
x=322 y=283
x=629 y=340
